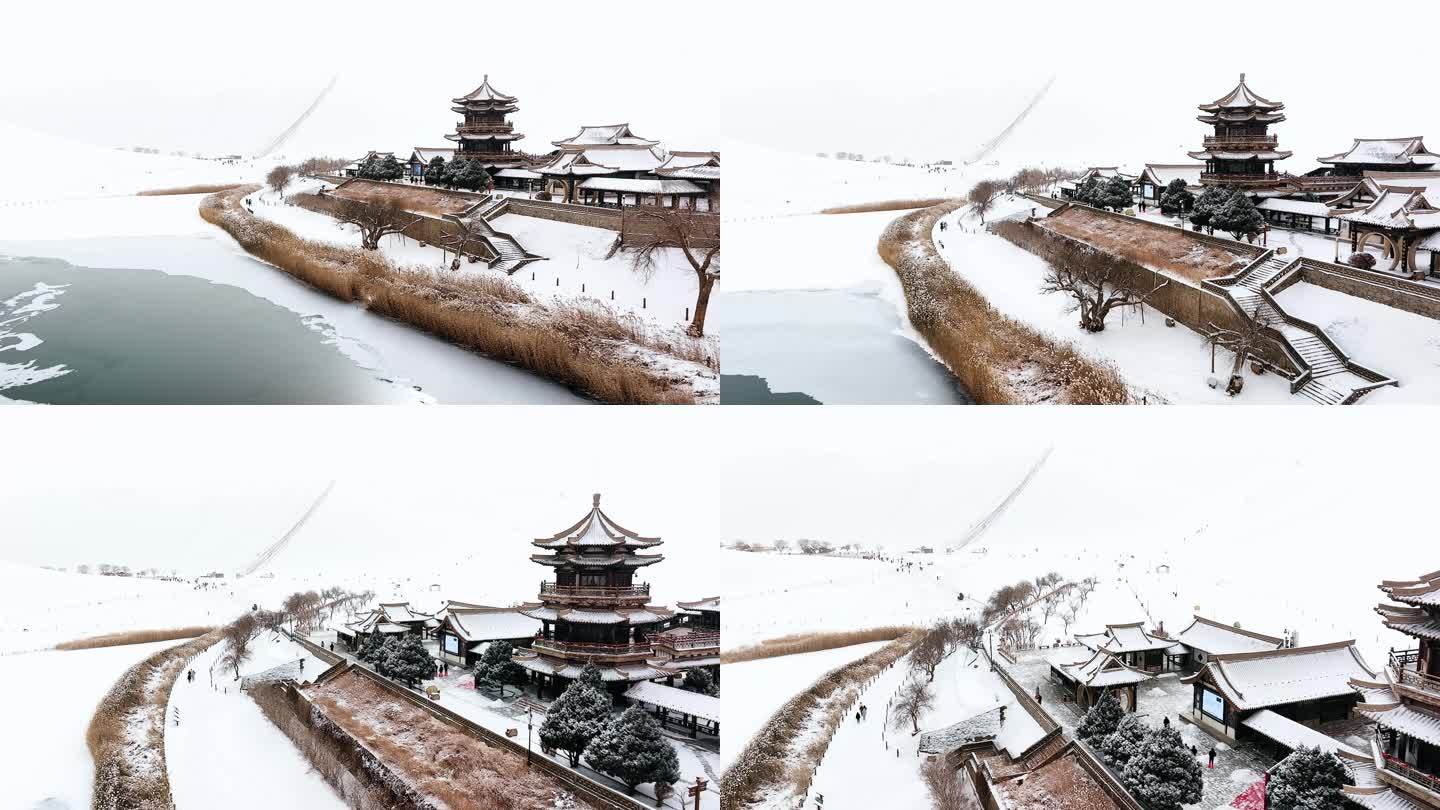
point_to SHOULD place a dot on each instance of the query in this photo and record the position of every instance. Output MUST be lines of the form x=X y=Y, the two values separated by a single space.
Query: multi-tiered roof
x=486 y=133
x=1241 y=153
x=593 y=610
x=1404 y=702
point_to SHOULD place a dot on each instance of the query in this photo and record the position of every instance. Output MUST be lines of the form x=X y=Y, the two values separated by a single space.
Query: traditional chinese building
x=1241 y=153
x=1382 y=155
x=611 y=166
x=1404 y=702
x=1205 y=638
x=1157 y=177
x=465 y=631
x=1131 y=644
x=594 y=611
x=1398 y=212
x=486 y=134
x=1277 y=694
x=388 y=619
x=1086 y=677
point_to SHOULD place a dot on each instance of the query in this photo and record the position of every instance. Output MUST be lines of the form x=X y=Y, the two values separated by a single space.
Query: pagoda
x=594 y=611
x=1405 y=705
x=1242 y=153
x=486 y=133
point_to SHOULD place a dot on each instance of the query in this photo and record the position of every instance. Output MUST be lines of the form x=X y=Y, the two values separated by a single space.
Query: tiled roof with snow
x=1292 y=735
x=622 y=672
x=595 y=529
x=1386 y=799
x=708 y=603
x=684 y=701
x=1218 y=638
x=983 y=726
x=1099 y=669
x=1240 y=98
x=1422 y=591
x=1259 y=680
x=1123 y=638
x=1384 y=706
x=1314 y=209
x=400 y=612
x=485 y=92
x=606 y=135
x=1413 y=621
x=641 y=185
x=1162 y=174
x=1394 y=151
x=489 y=625
x=425 y=154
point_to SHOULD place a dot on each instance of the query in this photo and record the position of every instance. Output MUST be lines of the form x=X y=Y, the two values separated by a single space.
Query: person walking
x=1212 y=757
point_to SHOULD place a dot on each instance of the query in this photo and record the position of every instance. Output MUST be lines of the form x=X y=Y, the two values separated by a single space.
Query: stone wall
x=1373 y=286
x=607 y=218
x=636 y=224
x=429 y=230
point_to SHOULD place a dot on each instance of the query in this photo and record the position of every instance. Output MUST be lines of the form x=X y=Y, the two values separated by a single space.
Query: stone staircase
x=1326 y=374
x=510 y=255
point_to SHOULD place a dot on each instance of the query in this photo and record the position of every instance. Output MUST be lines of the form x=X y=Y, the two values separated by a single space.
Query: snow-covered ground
x=755 y=689
x=1168 y=364
x=575 y=255
x=224 y=753
x=47 y=700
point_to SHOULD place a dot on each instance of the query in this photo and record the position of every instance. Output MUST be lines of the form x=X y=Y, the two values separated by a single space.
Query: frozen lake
x=837 y=346
x=200 y=321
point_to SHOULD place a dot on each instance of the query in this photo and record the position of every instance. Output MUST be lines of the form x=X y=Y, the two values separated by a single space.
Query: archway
x=1387 y=246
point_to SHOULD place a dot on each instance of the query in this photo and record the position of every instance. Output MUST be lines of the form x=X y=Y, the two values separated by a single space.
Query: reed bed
x=126 y=736
x=888 y=205
x=580 y=346
x=771 y=762
x=178 y=190
x=999 y=360
x=133 y=637
x=811 y=642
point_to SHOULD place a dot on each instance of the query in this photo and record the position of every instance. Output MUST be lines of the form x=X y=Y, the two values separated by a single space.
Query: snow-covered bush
x=496 y=668
x=1163 y=773
x=699 y=679
x=1121 y=745
x=1101 y=720
x=1364 y=261
x=1308 y=779
x=632 y=749
x=406 y=660
x=579 y=716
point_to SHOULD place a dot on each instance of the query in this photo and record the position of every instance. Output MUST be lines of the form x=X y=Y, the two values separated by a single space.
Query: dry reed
x=888 y=205
x=133 y=637
x=770 y=761
x=999 y=360
x=197 y=189
x=126 y=735
x=575 y=348
x=811 y=642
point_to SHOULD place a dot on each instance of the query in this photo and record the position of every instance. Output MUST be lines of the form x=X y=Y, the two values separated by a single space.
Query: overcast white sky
x=203 y=488
x=906 y=77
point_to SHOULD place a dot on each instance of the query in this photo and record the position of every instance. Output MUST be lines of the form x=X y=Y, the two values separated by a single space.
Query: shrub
x=1101 y=720
x=1163 y=773
x=1364 y=261
x=633 y=750
x=1308 y=779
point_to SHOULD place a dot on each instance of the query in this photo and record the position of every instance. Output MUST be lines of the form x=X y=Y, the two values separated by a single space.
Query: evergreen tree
x=1114 y=193
x=469 y=174
x=407 y=660
x=435 y=171
x=632 y=749
x=1308 y=779
x=368 y=169
x=370 y=650
x=1089 y=191
x=1238 y=216
x=1163 y=773
x=577 y=717
x=496 y=669
x=1177 y=199
x=389 y=169
x=1209 y=202
x=1119 y=746
x=699 y=679
x=1101 y=720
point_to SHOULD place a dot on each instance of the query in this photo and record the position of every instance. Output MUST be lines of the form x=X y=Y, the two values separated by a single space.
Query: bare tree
x=1097 y=282
x=696 y=237
x=928 y=653
x=782 y=545
x=1241 y=342
x=460 y=236
x=982 y=197
x=374 y=218
x=947 y=787
x=238 y=635
x=915 y=698
x=280 y=177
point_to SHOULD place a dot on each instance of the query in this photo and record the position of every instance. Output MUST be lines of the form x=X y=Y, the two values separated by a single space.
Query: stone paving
x=1236 y=767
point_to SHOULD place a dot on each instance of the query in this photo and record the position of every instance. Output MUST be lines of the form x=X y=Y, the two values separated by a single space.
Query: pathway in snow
x=225 y=754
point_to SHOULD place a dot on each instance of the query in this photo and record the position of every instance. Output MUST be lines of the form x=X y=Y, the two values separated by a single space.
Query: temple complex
x=1131 y=645
x=1241 y=153
x=1205 y=638
x=1404 y=702
x=611 y=165
x=1382 y=155
x=594 y=611
x=388 y=619
x=486 y=134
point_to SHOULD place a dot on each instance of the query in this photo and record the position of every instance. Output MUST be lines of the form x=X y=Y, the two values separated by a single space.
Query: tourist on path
x=1212 y=757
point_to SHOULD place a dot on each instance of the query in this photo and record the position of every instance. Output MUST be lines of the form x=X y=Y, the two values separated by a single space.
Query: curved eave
x=1241 y=117
x=494 y=136
x=1213 y=155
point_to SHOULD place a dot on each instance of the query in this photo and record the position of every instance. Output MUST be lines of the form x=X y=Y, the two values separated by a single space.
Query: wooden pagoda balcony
x=485 y=129
x=641 y=591
x=1404 y=665
x=1243 y=180
x=1241 y=141
x=1428 y=782
x=609 y=653
x=688 y=644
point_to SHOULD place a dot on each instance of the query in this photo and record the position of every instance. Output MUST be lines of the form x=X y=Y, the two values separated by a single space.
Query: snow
x=224 y=753
x=1165 y=364
x=754 y=690
x=48 y=699
x=575 y=257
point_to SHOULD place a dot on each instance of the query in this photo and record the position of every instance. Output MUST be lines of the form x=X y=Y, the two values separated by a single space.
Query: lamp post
x=529 y=732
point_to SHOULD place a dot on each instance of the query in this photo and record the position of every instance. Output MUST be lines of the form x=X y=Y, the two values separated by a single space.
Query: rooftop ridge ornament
x=597 y=500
